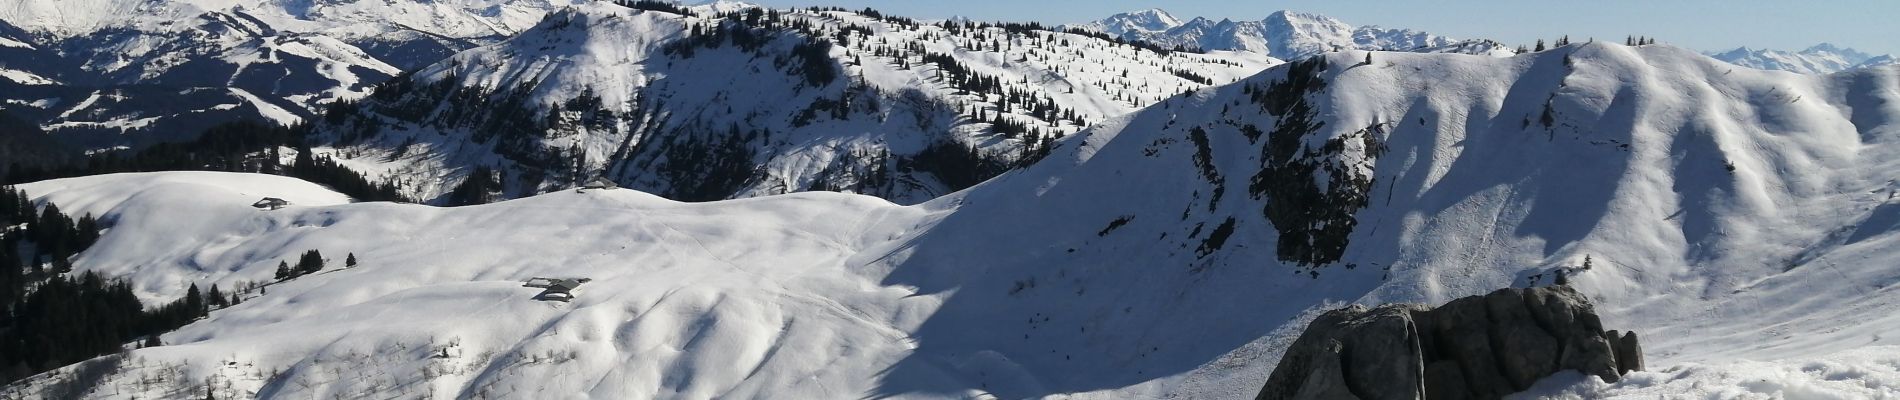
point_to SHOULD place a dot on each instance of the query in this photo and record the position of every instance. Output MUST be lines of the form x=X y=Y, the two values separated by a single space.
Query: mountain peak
x=1817 y=59
x=1148 y=20
x=1823 y=46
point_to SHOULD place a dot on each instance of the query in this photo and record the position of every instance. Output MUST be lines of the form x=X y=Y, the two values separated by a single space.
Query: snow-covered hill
x=1284 y=34
x=1819 y=59
x=1725 y=213
x=712 y=106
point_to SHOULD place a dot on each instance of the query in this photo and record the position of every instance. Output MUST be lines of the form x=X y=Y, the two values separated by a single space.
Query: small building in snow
x=270 y=203
x=599 y=183
x=555 y=289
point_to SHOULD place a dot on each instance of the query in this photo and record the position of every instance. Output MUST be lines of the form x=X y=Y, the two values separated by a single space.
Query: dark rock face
x=1479 y=347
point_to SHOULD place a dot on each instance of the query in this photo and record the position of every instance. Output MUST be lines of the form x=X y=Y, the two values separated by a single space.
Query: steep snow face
x=1819 y=59
x=1283 y=34
x=1725 y=213
x=1652 y=176
x=706 y=107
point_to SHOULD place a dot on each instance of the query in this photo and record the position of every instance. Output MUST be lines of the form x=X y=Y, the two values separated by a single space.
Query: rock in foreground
x=1479 y=347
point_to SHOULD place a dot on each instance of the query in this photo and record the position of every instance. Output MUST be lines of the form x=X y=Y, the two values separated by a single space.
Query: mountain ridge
x=1158 y=253
x=1282 y=34
x=1818 y=59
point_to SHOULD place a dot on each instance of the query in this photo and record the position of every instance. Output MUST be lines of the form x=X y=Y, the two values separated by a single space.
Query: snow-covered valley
x=1742 y=220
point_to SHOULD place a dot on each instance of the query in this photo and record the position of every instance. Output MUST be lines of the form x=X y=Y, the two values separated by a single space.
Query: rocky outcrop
x=1479 y=347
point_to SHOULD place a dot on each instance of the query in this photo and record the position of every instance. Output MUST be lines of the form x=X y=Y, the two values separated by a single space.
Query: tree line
x=48 y=318
x=241 y=146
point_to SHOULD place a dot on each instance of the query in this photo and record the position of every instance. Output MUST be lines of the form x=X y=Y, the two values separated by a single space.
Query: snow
x=1287 y=35
x=24 y=77
x=121 y=124
x=615 y=53
x=7 y=42
x=1870 y=373
x=1150 y=20
x=753 y=296
x=268 y=110
x=1819 y=59
x=1741 y=221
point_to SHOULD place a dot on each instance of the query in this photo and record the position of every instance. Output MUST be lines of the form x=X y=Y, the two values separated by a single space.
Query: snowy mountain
x=277 y=60
x=1284 y=34
x=1727 y=214
x=1819 y=59
x=1133 y=23
x=712 y=106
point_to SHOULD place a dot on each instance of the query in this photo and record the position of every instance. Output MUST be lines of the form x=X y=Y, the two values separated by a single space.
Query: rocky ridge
x=1478 y=347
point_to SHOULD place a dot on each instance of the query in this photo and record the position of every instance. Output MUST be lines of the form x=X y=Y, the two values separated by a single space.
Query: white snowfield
x=1741 y=221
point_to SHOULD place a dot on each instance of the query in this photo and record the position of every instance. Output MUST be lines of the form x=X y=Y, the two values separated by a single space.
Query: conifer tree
x=1540 y=46
x=350 y=262
x=194 y=302
x=311 y=262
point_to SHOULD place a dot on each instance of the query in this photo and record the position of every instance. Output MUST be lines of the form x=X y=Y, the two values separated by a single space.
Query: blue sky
x=1872 y=25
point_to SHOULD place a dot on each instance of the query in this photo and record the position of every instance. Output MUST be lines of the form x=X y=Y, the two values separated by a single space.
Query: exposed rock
x=1629 y=354
x=1479 y=347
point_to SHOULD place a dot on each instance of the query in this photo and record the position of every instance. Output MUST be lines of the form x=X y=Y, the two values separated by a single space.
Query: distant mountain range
x=1291 y=35
x=1820 y=59
x=1284 y=34
x=102 y=74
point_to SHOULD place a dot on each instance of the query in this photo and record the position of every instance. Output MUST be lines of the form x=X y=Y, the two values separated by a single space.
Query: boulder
x=1479 y=347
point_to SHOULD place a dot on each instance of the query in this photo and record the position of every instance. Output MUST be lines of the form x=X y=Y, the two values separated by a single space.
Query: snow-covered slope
x=1724 y=213
x=1819 y=59
x=708 y=107
x=1284 y=34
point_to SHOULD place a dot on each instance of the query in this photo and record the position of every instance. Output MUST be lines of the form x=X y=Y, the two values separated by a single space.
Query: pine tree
x=152 y=341
x=283 y=271
x=216 y=297
x=350 y=262
x=311 y=262
x=1540 y=46
x=194 y=302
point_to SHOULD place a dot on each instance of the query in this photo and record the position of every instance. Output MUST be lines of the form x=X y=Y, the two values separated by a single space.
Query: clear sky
x=1870 y=25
